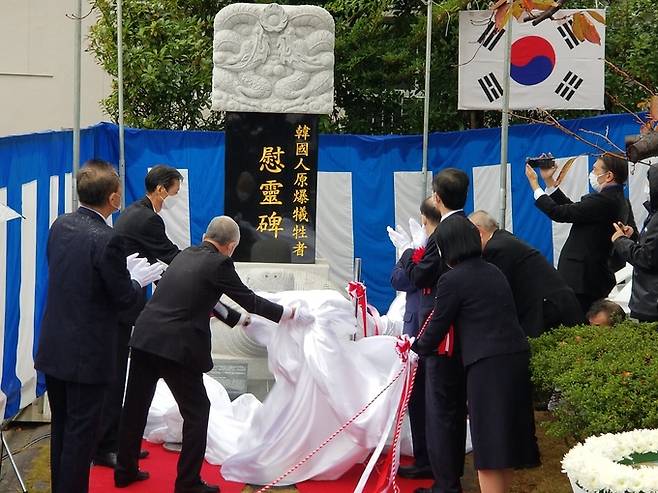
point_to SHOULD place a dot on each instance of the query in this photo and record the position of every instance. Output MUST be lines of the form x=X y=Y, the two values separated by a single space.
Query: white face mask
x=594 y=181
x=169 y=202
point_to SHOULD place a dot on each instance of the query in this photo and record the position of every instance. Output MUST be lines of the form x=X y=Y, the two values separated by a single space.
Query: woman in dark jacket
x=475 y=298
x=643 y=256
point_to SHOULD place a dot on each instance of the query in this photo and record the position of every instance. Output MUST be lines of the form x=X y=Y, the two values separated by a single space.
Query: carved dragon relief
x=273 y=59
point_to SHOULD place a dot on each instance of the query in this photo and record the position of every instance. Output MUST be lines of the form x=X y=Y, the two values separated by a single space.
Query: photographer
x=585 y=258
x=643 y=256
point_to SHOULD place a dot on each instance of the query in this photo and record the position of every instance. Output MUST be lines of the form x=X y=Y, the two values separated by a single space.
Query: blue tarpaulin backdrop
x=371 y=161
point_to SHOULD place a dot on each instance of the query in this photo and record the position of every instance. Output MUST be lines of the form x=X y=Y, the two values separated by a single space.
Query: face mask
x=168 y=202
x=594 y=181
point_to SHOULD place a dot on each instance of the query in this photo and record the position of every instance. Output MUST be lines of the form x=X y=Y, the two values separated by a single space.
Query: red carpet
x=162 y=466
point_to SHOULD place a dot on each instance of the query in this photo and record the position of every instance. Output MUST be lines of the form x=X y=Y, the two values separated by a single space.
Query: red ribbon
x=418 y=255
x=357 y=291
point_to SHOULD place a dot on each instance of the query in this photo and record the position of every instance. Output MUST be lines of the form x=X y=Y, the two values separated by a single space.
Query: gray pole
x=122 y=156
x=426 y=112
x=504 y=140
x=77 y=43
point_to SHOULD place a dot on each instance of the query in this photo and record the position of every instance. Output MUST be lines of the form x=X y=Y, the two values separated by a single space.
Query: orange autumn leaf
x=591 y=34
x=596 y=16
x=653 y=108
x=517 y=10
x=502 y=16
x=543 y=4
x=498 y=4
x=528 y=5
x=579 y=26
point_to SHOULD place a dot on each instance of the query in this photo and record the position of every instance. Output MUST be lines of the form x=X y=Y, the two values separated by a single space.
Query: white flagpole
x=122 y=156
x=426 y=111
x=504 y=127
x=77 y=43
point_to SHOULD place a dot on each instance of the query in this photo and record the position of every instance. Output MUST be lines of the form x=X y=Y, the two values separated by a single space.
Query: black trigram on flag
x=490 y=37
x=491 y=87
x=566 y=31
x=569 y=85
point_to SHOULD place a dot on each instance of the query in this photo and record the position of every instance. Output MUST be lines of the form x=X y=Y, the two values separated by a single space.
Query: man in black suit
x=171 y=340
x=543 y=300
x=88 y=284
x=585 y=259
x=143 y=232
x=445 y=391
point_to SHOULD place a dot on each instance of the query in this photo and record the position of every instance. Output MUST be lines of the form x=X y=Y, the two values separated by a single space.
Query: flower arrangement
x=613 y=463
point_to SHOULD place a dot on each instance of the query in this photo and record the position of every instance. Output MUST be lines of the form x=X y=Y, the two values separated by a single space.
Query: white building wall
x=36 y=67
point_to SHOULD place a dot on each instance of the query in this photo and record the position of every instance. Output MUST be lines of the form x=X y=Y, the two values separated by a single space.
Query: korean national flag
x=550 y=67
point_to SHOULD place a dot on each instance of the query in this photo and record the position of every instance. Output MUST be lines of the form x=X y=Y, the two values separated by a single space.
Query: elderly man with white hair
x=171 y=340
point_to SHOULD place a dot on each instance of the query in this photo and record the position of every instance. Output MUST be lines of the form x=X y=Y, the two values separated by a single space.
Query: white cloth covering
x=322 y=380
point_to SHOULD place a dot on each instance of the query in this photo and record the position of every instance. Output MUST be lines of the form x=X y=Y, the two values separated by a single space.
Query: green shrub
x=607 y=377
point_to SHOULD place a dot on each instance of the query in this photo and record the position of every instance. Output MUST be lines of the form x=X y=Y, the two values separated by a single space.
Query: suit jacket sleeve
x=425 y=273
x=232 y=286
x=111 y=265
x=399 y=278
x=445 y=312
x=231 y=318
x=157 y=242
x=559 y=197
x=642 y=254
x=592 y=207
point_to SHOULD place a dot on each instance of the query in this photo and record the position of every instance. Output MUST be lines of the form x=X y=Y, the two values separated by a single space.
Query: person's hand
x=132 y=260
x=288 y=313
x=418 y=235
x=621 y=230
x=531 y=175
x=145 y=273
x=548 y=175
x=399 y=237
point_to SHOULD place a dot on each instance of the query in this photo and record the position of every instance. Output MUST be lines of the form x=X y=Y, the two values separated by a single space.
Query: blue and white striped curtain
x=365 y=183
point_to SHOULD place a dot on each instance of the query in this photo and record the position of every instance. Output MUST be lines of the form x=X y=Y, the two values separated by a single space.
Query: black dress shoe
x=121 y=480
x=143 y=454
x=415 y=472
x=202 y=487
x=106 y=460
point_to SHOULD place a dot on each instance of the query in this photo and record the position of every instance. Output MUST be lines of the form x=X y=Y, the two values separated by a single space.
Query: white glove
x=303 y=316
x=399 y=237
x=132 y=260
x=145 y=273
x=288 y=313
x=418 y=235
x=245 y=320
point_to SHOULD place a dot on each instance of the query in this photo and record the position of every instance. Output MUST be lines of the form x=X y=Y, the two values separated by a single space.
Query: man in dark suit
x=171 y=340
x=419 y=303
x=143 y=232
x=585 y=258
x=543 y=300
x=88 y=284
x=445 y=392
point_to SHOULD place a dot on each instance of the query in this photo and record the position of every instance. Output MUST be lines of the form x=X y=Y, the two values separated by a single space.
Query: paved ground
x=32 y=460
x=34 y=466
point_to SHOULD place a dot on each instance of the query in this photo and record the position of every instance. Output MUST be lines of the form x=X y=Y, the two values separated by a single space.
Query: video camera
x=545 y=161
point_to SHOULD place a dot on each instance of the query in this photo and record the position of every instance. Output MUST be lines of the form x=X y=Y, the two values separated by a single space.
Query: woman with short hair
x=475 y=298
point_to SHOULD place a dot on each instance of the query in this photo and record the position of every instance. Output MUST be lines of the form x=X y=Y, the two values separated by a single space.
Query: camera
x=545 y=161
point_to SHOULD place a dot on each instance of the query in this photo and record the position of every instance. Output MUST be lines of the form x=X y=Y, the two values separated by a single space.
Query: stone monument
x=273 y=75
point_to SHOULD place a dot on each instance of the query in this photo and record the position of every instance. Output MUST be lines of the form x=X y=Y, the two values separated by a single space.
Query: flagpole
x=122 y=152
x=504 y=126
x=426 y=110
